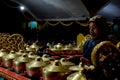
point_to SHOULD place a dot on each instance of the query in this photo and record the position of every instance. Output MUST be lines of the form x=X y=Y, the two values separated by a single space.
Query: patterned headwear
x=99 y=20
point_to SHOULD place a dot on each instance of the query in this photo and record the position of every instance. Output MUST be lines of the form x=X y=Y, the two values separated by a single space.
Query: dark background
x=12 y=20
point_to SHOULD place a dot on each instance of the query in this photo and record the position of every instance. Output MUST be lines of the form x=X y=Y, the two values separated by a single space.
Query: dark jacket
x=90 y=44
x=88 y=47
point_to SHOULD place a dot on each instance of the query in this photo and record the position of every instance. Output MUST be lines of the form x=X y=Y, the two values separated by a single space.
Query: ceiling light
x=22 y=8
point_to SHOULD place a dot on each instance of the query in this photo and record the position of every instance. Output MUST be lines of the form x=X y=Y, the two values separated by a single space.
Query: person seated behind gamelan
x=98 y=31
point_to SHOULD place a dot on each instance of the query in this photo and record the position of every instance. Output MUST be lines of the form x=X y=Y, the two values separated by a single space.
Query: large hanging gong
x=106 y=56
x=102 y=51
